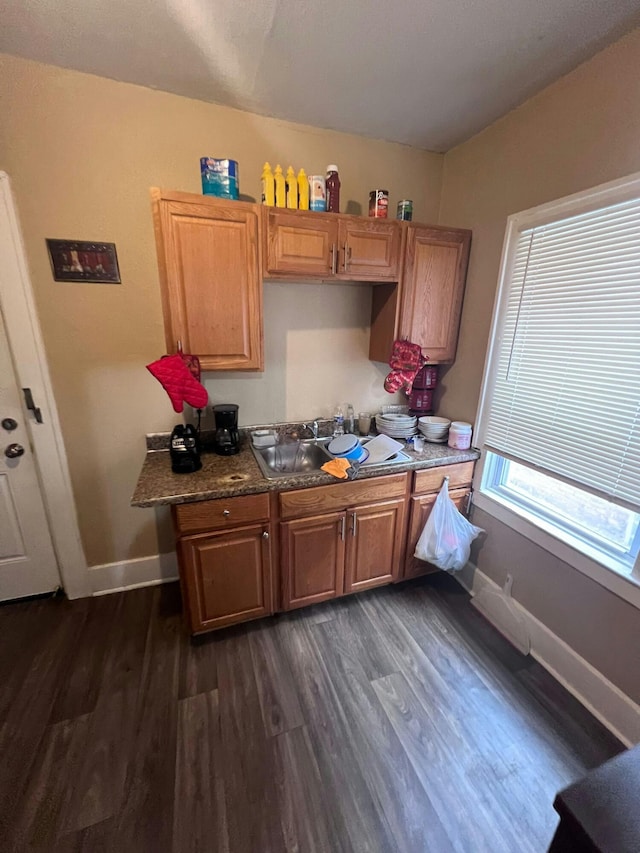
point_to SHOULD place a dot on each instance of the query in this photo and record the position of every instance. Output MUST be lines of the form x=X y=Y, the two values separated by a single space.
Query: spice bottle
x=281 y=193
x=268 y=186
x=292 y=189
x=333 y=189
x=303 y=190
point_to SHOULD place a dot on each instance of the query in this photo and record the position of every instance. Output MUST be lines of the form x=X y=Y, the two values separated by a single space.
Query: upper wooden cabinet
x=329 y=246
x=298 y=243
x=209 y=262
x=432 y=289
x=370 y=248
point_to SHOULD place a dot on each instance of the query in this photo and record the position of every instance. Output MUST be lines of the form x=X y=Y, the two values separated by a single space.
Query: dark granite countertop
x=229 y=476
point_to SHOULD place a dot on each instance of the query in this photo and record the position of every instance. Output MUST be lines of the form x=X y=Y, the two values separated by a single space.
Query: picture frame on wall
x=81 y=260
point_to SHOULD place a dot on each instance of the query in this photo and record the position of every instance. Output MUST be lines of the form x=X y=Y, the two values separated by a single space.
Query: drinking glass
x=364 y=423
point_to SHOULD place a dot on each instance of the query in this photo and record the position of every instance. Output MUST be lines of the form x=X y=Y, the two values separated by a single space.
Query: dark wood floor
x=396 y=720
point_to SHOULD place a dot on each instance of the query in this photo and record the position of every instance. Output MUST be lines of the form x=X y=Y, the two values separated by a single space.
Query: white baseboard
x=614 y=709
x=129 y=574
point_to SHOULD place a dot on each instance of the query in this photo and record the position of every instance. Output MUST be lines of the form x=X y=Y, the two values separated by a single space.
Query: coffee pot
x=226 y=440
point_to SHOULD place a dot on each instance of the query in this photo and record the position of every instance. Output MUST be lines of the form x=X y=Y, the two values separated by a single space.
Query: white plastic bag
x=447 y=535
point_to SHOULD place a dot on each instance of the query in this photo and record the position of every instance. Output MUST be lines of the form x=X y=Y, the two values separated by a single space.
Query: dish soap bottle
x=268 y=186
x=338 y=422
x=281 y=194
x=303 y=190
x=333 y=189
x=292 y=189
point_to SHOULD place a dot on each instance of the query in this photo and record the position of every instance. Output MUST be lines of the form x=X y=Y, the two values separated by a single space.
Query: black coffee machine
x=226 y=440
x=185 y=449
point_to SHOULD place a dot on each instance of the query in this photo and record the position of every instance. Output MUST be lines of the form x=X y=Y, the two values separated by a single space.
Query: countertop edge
x=156 y=468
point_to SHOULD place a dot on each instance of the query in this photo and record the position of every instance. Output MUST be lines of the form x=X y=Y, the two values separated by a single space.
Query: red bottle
x=333 y=189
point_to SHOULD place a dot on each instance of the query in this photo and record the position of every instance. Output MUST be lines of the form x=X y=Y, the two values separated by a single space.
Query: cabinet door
x=226 y=577
x=312 y=559
x=420 y=509
x=369 y=249
x=301 y=244
x=208 y=253
x=375 y=534
x=433 y=285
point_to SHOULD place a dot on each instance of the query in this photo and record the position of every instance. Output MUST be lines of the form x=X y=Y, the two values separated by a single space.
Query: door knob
x=12 y=451
x=9 y=424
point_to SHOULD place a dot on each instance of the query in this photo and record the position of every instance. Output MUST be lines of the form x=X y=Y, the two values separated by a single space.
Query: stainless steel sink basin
x=296 y=457
x=303 y=457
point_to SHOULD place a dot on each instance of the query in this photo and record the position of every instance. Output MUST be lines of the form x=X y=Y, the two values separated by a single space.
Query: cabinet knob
x=265 y=535
x=226 y=512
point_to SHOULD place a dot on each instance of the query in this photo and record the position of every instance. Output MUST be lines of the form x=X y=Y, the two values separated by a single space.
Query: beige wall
x=82 y=153
x=579 y=132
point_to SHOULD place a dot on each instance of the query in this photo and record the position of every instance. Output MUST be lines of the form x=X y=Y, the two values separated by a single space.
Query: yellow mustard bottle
x=303 y=190
x=281 y=193
x=292 y=189
x=268 y=186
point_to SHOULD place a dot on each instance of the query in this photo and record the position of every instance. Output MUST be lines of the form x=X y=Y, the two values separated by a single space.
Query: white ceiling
x=429 y=73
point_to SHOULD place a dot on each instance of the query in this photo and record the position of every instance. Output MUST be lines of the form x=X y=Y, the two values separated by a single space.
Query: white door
x=28 y=563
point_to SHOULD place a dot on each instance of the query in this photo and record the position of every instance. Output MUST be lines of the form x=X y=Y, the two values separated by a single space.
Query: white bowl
x=432 y=420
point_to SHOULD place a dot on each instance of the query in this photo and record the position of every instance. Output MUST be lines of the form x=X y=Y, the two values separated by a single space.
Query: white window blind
x=566 y=383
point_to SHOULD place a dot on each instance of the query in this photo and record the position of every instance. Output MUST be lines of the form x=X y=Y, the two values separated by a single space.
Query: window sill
x=625 y=586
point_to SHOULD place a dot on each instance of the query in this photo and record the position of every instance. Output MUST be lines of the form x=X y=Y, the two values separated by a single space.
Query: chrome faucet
x=313 y=429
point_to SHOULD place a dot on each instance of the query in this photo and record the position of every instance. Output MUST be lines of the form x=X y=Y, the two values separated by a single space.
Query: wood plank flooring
x=396 y=720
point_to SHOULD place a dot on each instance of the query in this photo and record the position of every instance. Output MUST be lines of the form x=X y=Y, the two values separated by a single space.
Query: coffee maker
x=226 y=440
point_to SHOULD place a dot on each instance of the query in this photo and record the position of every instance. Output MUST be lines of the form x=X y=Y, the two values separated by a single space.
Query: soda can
x=317 y=192
x=378 y=203
x=405 y=210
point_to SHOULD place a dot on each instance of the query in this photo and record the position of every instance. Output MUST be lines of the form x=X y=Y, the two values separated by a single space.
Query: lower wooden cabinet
x=375 y=535
x=226 y=577
x=329 y=555
x=420 y=509
x=249 y=556
x=426 y=485
x=312 y=563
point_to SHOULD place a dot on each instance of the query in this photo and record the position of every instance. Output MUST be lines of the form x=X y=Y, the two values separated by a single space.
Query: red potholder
x=406 y=356
x=406 y=360
x=176 y=379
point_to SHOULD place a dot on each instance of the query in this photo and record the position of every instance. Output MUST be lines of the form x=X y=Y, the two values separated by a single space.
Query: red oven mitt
x=406 y=360
x=179 y=383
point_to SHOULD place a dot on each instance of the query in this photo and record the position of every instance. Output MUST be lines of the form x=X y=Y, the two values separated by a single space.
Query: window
x=559 y=419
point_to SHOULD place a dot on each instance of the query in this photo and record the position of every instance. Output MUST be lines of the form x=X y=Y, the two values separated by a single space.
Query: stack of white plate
x=434 y=429
x=396 y=425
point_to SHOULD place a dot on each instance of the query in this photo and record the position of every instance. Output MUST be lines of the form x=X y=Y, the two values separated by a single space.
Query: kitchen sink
x=304 y=457
x=296 y=457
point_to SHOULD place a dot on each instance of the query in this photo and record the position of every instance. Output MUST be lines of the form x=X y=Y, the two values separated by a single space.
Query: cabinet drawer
x=221 y=513
x=430 y=480
x=321 y=499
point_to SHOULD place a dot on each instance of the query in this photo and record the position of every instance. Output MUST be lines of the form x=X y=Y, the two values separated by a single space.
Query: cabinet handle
x=343 y=524
x=467 y=508
x=226 y=512
x=334 y=259
x=347 y=256
x=354 y=522
x=265 y=535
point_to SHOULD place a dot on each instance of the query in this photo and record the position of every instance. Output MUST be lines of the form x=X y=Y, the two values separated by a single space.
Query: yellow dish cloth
x=337 y=468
